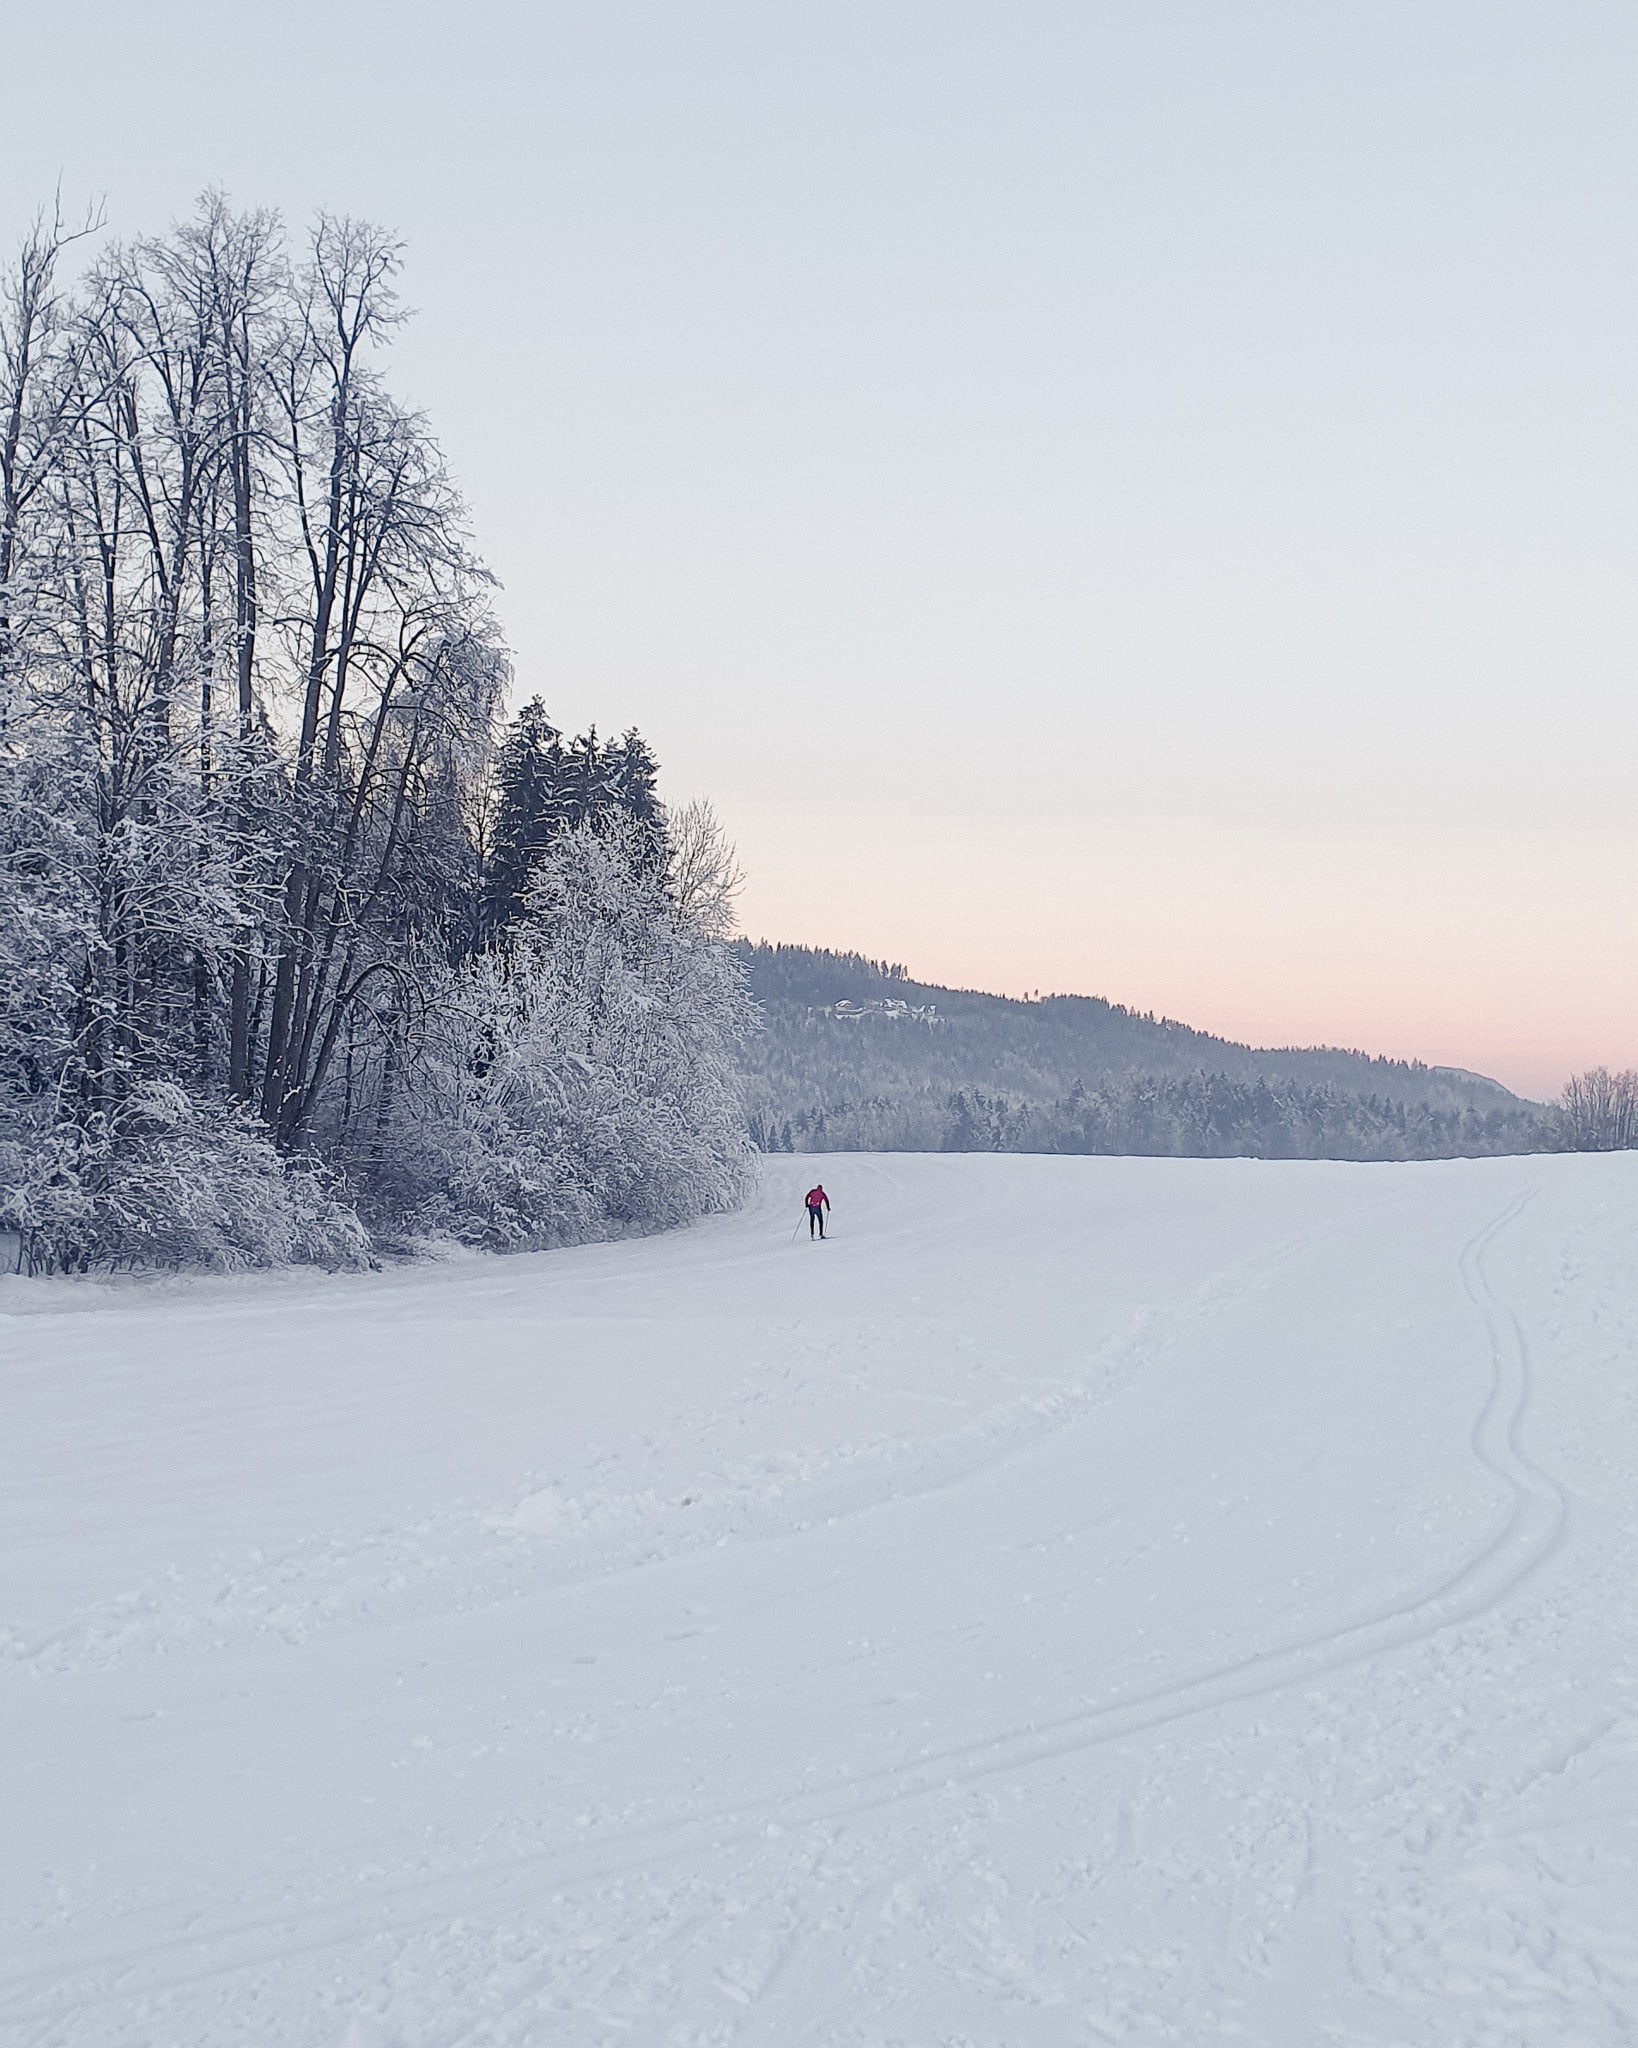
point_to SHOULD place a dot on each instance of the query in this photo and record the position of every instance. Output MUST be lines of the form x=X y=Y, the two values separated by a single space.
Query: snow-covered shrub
x=169 y=1181
x=582 y=1081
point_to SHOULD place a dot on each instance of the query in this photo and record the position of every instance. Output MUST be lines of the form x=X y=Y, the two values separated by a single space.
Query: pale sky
x=1140 y=499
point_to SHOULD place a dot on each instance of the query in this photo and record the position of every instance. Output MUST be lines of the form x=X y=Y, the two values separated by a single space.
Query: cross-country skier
x=818 y=1202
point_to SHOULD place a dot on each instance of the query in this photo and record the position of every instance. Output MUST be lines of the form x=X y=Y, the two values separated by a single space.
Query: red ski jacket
x=817 y=1198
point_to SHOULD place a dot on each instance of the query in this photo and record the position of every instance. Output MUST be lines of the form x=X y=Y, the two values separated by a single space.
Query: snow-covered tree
x=579 y=1081
x=1598 y=1112
x=705 y=875
x=249 y=691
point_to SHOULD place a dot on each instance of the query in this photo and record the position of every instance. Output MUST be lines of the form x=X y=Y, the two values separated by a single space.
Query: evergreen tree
x=528 y=809
x=545 y=787
x=630 y=774
x=584 y=791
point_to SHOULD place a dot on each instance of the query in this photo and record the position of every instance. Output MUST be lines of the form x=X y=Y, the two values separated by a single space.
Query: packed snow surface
x=1088 y=1600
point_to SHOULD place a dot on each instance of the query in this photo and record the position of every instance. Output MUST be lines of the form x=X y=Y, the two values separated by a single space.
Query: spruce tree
x=583 y=788
x=630 y=774
x=545 y=786
x=529 y=807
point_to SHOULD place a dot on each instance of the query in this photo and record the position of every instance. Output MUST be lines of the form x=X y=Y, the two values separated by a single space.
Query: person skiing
x=818 y=1202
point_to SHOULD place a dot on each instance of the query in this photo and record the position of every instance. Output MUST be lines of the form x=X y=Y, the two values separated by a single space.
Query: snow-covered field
x=1087 y=1601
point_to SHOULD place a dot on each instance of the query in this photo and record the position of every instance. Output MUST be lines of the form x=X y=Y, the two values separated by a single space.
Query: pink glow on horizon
x=1494 y=952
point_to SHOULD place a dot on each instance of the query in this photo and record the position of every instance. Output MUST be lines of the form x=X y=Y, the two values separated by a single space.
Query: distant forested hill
x=857 y=1056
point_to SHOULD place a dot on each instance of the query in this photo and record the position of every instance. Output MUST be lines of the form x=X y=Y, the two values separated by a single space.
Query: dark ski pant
x=816 y=1218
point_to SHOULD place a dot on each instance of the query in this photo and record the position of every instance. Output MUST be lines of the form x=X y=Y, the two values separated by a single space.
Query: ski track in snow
x=1371 y=1827
x=1528 y=1533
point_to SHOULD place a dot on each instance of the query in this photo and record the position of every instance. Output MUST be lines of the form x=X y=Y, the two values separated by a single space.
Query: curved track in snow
x=1528 y=1531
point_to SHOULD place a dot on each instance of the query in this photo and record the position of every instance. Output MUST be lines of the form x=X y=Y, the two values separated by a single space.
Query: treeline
x=1076 y=1074
x=1198 y=1116
x=294 y=957
x=936 y=1069
x=1033 y=1051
